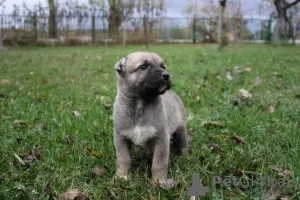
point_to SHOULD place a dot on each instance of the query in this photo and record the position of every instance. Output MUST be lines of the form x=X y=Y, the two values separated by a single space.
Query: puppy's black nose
x=165 y=75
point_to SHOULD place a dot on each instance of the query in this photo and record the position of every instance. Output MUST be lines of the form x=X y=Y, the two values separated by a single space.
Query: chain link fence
x=87 y=29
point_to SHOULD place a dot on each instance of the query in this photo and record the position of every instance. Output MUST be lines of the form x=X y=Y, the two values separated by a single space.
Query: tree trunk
x=35 y=28
x=283 y=27
x=52 y=19
x=1 y=42
x=146 y=26
x=114 y=19
x=94 y=29
x=194 y=29
x=221 y=41
x=220 y=22
x=279 y=35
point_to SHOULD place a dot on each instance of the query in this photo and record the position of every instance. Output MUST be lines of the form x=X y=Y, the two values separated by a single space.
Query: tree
x=52 y=19
x=32 y=19
x=151 y=11
x=209 y=10
x=97 y=8
x=222 y=8
x=283 y=28
x=119 y=10
x=212 y=12
x=1 y=41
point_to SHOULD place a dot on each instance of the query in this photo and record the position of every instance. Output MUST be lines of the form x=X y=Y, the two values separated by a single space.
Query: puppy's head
x=144 y=74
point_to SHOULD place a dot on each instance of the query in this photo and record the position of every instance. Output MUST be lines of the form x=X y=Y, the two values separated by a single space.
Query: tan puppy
x=147 y=113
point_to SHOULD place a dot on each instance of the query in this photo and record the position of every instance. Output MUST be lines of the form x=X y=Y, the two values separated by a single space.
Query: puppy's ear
x=120 y=66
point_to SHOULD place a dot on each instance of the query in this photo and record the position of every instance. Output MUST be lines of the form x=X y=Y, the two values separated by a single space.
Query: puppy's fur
x=147 y=113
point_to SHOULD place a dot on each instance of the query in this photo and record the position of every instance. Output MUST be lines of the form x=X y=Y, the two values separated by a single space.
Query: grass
x=46 y=86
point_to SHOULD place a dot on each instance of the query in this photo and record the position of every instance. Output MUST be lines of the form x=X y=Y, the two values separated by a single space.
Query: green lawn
x=44 y=86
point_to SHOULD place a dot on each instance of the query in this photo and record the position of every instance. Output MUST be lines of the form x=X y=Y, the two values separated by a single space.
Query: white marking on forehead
x=139 y=57
x=123 y=61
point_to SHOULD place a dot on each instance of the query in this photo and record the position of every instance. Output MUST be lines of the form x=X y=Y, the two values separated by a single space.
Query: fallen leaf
x=68 y=139
x=44 y=82
x=108 y=106
x=152 y=198
x=19 y=159
x=196 y=97
x=238 y=172
x=275 y=132
x=258 y=80
x=103 y=98
x=4 y=82
x=94 y=153
x=244 y=94
x=41 y=127
x=214 y=147
x=74 y=194
x=237 y=102
x=19 y=124
x=273 y=193
x=192 y=131
x=278 y=75
x=237 y=70
x=19 y=186
x=37 y=153
x=98 y=171
x=28 y=158
x=77 y=113
x=112 y=194
x=281 y=172
x=238 y=139
x=229 y=76
x=298 y=123
x=123 y=187
x=99 y=58
x=248 y=69
x=285 y=173
x=33 y=155
x=276 y=168
x=208 y=124
x=48 y=191
x=271 y=108
x=220 y=137
x=284 y=198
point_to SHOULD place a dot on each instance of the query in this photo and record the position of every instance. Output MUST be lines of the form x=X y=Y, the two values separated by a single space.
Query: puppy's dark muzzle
x=166 y=76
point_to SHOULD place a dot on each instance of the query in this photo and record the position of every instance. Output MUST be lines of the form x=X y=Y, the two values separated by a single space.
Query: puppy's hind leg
x=180 y=138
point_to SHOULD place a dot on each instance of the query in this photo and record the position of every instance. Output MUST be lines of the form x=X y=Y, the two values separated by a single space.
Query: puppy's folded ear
x=120 y=66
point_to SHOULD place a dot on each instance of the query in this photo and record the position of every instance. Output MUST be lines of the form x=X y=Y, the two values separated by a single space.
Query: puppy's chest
x=140 y=134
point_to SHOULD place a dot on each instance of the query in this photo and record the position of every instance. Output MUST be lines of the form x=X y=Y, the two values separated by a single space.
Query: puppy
x=147 y=113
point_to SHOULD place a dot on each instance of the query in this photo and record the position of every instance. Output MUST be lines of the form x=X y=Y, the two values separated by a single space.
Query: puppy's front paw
x=166 y=184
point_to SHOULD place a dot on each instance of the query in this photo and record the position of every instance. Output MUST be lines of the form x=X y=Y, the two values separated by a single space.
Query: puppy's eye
x=143 y=66
x=162 y=66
